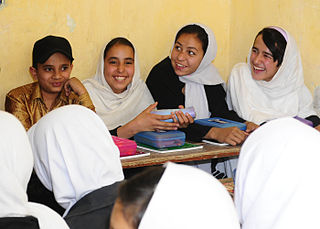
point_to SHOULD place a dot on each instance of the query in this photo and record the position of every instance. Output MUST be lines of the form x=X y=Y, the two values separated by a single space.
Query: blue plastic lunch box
x=221 y=123
x=161 y=139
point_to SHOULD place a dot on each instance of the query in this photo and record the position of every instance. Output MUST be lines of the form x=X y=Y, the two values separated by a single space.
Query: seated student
x=15 y=168
x=271 y=84
x=76 y=158
x=189 y=78
x=177 y=196
x=273 y=188
x=121 y=98
x=51 y=67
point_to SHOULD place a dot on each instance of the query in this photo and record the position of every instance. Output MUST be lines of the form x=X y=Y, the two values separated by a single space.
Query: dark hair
x=135 y=194
x=275 y=42
x=197 y=30
x=117 y=40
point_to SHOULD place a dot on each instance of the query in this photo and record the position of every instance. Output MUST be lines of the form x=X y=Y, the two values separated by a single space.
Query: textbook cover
x=186 y=146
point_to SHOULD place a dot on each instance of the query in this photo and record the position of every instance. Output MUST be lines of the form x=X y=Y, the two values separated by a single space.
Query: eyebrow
x=190 y=47
x=116 y=58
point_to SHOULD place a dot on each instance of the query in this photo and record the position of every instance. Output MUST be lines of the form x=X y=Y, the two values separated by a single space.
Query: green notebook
x=186 y=146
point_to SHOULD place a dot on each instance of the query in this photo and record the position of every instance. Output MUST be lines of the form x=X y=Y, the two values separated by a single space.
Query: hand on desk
x=184 y=120
x=230 y=135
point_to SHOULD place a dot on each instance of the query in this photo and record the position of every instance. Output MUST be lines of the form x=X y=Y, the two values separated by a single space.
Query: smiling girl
x=271 y=84
x=121 y=98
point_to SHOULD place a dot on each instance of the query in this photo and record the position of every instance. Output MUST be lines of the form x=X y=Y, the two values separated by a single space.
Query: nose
x=120 y=67
x=181 y=56
x=257 y=58
x=57 y=75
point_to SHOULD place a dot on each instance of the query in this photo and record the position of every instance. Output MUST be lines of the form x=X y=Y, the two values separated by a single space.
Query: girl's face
x=263 y=66
x=186 y=54
x=119 y=67
x=117 y=220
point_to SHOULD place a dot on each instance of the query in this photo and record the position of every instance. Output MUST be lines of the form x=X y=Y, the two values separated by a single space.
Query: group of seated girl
x=76 y=159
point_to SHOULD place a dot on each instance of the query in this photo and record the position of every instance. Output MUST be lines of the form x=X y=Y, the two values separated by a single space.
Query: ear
x=71 y=66
x=34 y=73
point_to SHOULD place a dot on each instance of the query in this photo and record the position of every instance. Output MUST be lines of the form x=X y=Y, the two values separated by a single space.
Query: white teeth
x=180 y=65
x=257 y=68
x=120 y=78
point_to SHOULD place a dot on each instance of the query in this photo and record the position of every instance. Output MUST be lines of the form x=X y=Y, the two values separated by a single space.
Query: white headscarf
x=187 y=197
x=277 y=177
x=285 y=95
x=74 y=153
x=15 y=168
x=118 y=109
x=206 y=74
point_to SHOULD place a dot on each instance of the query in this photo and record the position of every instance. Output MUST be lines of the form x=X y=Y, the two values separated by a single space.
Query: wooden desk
x=207 y=152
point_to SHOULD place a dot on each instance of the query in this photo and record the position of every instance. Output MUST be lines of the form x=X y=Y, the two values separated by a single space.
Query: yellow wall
x=151 y=26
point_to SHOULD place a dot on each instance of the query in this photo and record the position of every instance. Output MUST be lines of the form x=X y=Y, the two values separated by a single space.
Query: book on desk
x=186 y=146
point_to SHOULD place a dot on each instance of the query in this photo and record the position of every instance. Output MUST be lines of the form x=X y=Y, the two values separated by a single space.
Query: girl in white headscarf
x=273 y=188
x=188 y=78
x=271 y=85
x=185 y=197
x=15 y=169
x=120 y=97
x=76 y=158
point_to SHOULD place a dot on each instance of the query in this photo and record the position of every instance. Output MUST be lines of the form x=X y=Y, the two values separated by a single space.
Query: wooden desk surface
x=207 y=152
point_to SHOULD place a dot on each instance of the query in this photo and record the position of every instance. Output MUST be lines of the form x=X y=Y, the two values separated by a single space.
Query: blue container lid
x=162 y=136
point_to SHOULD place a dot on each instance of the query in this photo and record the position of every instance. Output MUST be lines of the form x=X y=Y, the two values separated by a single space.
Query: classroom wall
x=151 y=25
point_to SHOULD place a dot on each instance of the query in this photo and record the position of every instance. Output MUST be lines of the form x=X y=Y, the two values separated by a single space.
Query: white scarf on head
x=74 y=153
x=285 y=95
x=118 y=109
x=187 y=197
x=15 y=168
x=206 y=74
x=275 y=188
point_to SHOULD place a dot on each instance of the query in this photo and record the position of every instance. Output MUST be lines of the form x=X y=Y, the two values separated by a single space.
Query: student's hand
x=184 y=120
x=251 y=126
x=317 y=127
x=146 y=121
x=230 y=135
x=75 y=85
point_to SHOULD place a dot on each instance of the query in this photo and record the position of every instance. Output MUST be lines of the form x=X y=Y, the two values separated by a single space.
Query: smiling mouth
x=120 y=78
x=56 y=84
x=180 y=66
x=257 y=68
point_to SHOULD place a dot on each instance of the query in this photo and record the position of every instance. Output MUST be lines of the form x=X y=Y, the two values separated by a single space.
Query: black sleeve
x=114 y=132
x=218 y=107
x=195 y=132
x=164 y=86
x=314 y=119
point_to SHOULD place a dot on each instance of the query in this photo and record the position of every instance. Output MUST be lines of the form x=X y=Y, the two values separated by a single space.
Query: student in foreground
x=15 y=168
x=51 y=68
x=76 y=158
x=119 y=95
x=273 y=188
x=174 y=196
x=188 y=78
x=271 y=85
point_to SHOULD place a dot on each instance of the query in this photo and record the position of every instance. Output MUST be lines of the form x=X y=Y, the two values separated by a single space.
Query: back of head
x=134 y=194
x=185 y=197
x=277 y=166
x=74 y=153
x=49 y=45
x=16 y=166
